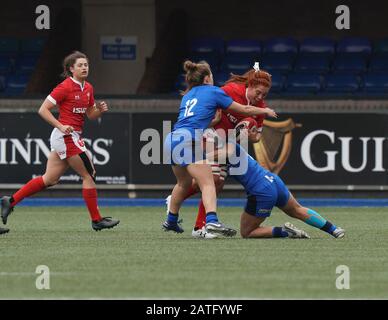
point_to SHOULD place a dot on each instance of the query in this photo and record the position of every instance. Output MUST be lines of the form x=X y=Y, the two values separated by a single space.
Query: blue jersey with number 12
x=199 y=106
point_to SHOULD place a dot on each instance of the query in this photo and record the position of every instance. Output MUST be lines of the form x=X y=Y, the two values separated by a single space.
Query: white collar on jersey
x=246 y=96
x=79 y=83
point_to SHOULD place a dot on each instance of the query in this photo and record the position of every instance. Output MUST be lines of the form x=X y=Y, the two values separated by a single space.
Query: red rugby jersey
x=73 y=100
x=237 y=91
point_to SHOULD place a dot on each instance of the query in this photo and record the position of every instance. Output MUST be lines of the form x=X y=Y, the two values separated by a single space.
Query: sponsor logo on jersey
x=77 y=97
x=79 y=110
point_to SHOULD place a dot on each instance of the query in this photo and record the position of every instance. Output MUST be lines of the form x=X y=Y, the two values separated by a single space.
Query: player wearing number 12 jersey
x=75 y=99
x=183 y=144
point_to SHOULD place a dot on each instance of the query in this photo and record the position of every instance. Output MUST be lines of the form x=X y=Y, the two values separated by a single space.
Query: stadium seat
x=381 y=46
x=16 y=84
x=376 y=83
x=379 y=63
x=26 y=65
x=238 y=62
x=32 y=46
x=220 y=78
x=354 y=44
x=207 y=45
x=243 y=46
x=317 y=45
x=212 y=58
x=278 y=81
x=349 y=63
x=280 y=62
x=312 y=64
x=281 y=45
x=340 y=83
x=2 y=83
x=9 y=46
x=302 y=83
x=5 y=65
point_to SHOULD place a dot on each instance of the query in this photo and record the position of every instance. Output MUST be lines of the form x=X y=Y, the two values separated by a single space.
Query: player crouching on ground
x=264 y=191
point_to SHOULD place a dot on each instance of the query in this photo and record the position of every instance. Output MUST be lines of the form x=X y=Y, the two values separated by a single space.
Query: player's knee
x=218 y=182
x=244 y=233
x=50 y=181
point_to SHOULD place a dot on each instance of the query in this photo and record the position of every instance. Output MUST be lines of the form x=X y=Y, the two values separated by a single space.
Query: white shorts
x=68 y=145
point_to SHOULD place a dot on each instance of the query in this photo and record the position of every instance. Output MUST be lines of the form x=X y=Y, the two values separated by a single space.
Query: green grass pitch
x=137 y=260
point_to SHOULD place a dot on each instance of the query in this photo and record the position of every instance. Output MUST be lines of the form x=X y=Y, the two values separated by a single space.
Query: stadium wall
x=134 y=18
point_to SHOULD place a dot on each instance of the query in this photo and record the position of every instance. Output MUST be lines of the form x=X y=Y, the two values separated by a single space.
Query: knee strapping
x=88 y=165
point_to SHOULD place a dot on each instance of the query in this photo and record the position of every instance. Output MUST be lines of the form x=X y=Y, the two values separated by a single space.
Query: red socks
x=90 y=197
x=31 y=187
x=201 y=217
x=191 y=192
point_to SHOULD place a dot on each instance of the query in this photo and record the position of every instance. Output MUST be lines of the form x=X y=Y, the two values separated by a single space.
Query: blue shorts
x=182 y=150
x=274 y=193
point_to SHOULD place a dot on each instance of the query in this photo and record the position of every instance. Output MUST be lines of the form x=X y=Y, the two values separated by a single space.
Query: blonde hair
x=195 y=73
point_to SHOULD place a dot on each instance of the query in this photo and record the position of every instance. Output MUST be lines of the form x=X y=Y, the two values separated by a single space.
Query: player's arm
x=251 y=110
x=46 y=114
x=96 y=110
x=216 y=119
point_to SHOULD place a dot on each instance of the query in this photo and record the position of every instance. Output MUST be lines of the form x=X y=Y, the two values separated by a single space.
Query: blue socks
x=317 y=221
x=172 y=218
x=277 y=232
x=211 y=217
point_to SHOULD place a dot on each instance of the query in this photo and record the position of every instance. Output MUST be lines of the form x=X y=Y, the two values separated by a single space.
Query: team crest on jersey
x=274 y=147
x=77 y=97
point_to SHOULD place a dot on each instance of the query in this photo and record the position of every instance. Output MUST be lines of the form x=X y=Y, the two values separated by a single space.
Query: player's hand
x=270 y=112
x=66 y=129
x=102 y=107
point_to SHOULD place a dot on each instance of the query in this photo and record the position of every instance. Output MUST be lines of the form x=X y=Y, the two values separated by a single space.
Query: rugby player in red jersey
x=75 y=99
x=251 y=88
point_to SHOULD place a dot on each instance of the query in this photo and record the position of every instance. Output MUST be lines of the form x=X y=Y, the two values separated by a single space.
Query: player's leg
x=250 y=227
x=202 y=173
x=54 y=169
x=311 y=217
x=199 y=230
x=83 y=165
x=178 y=195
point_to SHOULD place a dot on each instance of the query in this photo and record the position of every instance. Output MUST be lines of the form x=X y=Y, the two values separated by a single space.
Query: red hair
x=252 y=78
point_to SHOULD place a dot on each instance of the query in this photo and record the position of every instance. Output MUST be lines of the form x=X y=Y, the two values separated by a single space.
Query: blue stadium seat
x=5 y=65
x=211 y=58
x=341 y=83
x=32 y=46
x=207 y=45
x=376 y=83
x=2 y=83
x=354 y=44
x=278 y=82
x=9 y=46
x=281 y=45
x=282 y=62
x=16 y=84
x=349 y=63
x=381 y=46
x=238 y=62
x=379 y=63
x=317 y=45
x=180 y=83
x=26 y=65
x=312 y=64
x=302 y=83
x=243 y=46
x=220 y=78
